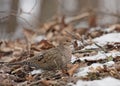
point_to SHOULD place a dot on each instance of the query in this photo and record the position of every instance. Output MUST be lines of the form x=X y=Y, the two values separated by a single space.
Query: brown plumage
x=54 y=58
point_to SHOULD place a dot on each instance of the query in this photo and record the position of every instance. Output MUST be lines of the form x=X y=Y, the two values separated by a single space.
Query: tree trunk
x=12 y=21
x=108 y=7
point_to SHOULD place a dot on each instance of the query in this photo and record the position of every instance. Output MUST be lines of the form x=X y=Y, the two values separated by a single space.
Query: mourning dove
x=51 y=59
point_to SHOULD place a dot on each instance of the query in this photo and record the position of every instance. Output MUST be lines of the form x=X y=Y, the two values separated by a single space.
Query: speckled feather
x=54 y=58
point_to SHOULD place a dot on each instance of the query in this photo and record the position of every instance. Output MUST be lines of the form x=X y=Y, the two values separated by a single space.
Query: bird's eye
x=40 y=58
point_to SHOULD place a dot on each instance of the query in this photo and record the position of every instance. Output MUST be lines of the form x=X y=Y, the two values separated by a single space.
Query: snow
x=100 y=55
x=73 y=58
x=108 y=81
x=84 y=71
x=36 y=72
x=111 y=37
x=102 y=40
x=92 y=68
x=110 y=63
x=93 y=46
x=39 y=38
x=109 y=29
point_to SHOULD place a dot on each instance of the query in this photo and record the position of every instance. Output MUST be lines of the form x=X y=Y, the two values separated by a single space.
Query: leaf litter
x=95 y=55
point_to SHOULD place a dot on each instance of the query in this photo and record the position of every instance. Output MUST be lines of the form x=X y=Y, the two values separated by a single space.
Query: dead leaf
x=5 y=53
x=75 y=44
x=44 y=44
x=73 y=69
x=115 y=27
x=29 y=77
x=48 y=82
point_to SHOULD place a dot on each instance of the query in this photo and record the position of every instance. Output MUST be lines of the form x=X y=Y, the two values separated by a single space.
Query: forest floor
x=95 y=59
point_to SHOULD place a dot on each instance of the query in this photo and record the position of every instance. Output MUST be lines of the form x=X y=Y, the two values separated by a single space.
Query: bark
x=109 y=7
x=12 y=22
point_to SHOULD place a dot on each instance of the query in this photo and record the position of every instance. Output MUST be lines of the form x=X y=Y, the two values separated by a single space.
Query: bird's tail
x=14 y=63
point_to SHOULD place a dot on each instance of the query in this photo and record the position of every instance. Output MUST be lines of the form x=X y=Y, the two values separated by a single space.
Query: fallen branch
x=79 y=17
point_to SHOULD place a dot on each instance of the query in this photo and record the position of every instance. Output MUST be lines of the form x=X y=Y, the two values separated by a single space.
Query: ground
x=95 y=59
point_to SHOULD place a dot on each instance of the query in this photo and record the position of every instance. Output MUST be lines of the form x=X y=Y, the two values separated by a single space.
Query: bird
x=52 y=59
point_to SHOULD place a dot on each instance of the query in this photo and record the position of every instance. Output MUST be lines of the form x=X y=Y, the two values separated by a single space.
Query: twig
x=44 y=82
x=103 y=49
x=83 y=43
x=71 y=34
x=18 y=16
x=33 y=83
x=34 y=6
x=82 y=51
x=81 y=16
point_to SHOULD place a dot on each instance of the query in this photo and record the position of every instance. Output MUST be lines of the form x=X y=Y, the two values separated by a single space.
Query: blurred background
x=18 y=14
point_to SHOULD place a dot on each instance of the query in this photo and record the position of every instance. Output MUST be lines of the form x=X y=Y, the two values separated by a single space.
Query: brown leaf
x=115 y=27
x=117 y=66
x=82 y=31
x=7 y=59
x=75 y=44
x=96 y=33
x=73 y=69
x=5 y=53
x=44 y=44
x=48 y=82
x=29 y=77
x=48 y=25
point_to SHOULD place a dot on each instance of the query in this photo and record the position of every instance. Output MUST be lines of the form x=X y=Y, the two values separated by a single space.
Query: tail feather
x=14 y=63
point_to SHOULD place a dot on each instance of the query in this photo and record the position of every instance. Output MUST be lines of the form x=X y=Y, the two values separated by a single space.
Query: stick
x=81 y=16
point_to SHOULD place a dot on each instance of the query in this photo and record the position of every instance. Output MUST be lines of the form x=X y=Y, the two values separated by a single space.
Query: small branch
x=103 y=49
x=83 y=51
x=33 y=83
x=34 y=6
x=71 y=34
x=76 y=18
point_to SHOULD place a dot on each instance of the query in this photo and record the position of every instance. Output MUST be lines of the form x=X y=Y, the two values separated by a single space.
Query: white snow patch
x=109 y=81
x=102 y=40
x=84 y=71
x=36 y=72
x=93 y=46
x=111 y=37
x=110 y=63
x=79 y=43
x=101 y=55
x=73 y=58
x=39 y=38
x=109 y=29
